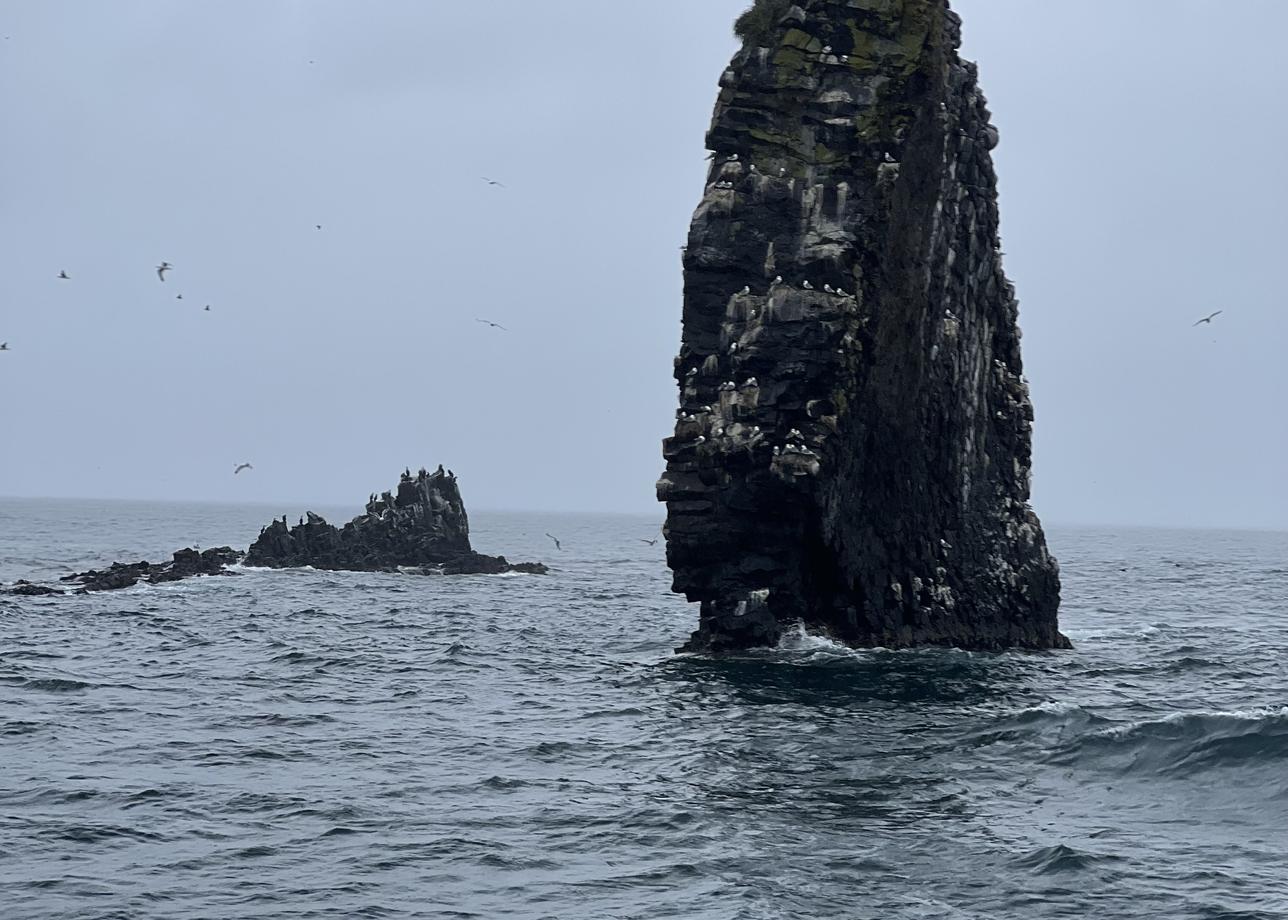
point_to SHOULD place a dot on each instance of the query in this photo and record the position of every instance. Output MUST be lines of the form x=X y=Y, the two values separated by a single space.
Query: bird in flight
x=64 y=276
x=558 y=545
x=1208 y=319
x=492 y=324
x=162 y=269
x=4 y=346
x=207 y=308
x=178 y=297
x=242 y=466
x=492 y=182
x=652 y=542
x=317 y=226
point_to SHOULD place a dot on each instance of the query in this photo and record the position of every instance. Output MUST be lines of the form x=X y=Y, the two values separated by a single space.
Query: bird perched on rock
x=751 y=168
x=746 y=289
x=778 y=279
x=845 y=59
x=889 y=158
x=162 y=269
x=840 y=293
x=827 y=288
x=558 y=545
x=782 y=170
x=64 y=276
x=1208 y=319
x=733 y=346
x=732 y=158
x=807 y=286
x=701 y=439
x=241 y=466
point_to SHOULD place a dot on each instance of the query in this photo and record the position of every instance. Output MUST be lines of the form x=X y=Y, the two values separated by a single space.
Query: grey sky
x=1142 y=187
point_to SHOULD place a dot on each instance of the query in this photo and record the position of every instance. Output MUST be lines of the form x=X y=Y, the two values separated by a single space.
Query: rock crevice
x=852 y=448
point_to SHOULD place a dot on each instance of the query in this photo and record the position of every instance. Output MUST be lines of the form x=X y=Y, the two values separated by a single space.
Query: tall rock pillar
x=852 y=449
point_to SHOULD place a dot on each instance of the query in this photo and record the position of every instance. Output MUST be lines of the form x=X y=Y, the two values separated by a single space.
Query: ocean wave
x=1185 y=743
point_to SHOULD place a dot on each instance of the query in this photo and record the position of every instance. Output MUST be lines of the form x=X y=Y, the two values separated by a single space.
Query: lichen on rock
x=852 y=449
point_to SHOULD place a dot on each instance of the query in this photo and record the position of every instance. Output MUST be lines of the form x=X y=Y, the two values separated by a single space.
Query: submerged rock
x=853 y=445
x=421 y=525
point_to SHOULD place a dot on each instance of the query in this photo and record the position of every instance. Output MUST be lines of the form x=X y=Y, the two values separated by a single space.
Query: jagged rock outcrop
x=186 y=563
x=421 y=525
x=853 y=444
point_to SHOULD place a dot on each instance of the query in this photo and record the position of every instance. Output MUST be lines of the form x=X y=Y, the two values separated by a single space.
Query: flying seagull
x=207 y=308
x=492 y=324
x=64 y=276
x=242 y=466
x=558 y=545
x=4 y=346
x=178 y=297
x=652 y=542
x=1208 y=319
x=492 y=182
x=317 y=226
x=162 y=269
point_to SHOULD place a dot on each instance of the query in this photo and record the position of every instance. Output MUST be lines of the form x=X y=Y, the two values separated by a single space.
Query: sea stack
x=884 y=499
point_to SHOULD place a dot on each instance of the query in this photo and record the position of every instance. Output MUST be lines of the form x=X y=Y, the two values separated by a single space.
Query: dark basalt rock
x=186 y=563
x=853 y=454
x=422 y=525
x=24 y=588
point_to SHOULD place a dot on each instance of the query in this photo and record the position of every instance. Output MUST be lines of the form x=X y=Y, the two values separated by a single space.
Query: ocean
x=301 y=744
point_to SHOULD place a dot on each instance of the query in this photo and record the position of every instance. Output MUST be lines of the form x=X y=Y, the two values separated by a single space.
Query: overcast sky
x=1142 y=180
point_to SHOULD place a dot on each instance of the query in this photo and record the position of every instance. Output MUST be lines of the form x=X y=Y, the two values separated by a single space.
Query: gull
x=840 y=293
x=492 y=324
x=178 y=297
x=64 y=276
x=242 y=466
x=492 y=182
x=1208 y=319
x=746 y=289
x=4 y=346
x=782 y=170
x=652 y=542
x=733 y=158
x=162 y=269
x=778 y=279
x=827 y=288
x=845 y=59
x=558 y=545
x=752 y=168
x=317 y=226
x=827 y=49
x=807 y=286
x=207 y=308
x=701 y=439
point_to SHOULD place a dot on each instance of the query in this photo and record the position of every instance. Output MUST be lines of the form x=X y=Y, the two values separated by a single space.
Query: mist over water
x=303 y=744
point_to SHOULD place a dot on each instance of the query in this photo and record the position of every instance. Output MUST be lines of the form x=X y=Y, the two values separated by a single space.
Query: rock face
x=421 y=525
x=853 y=444
x=186 y=563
